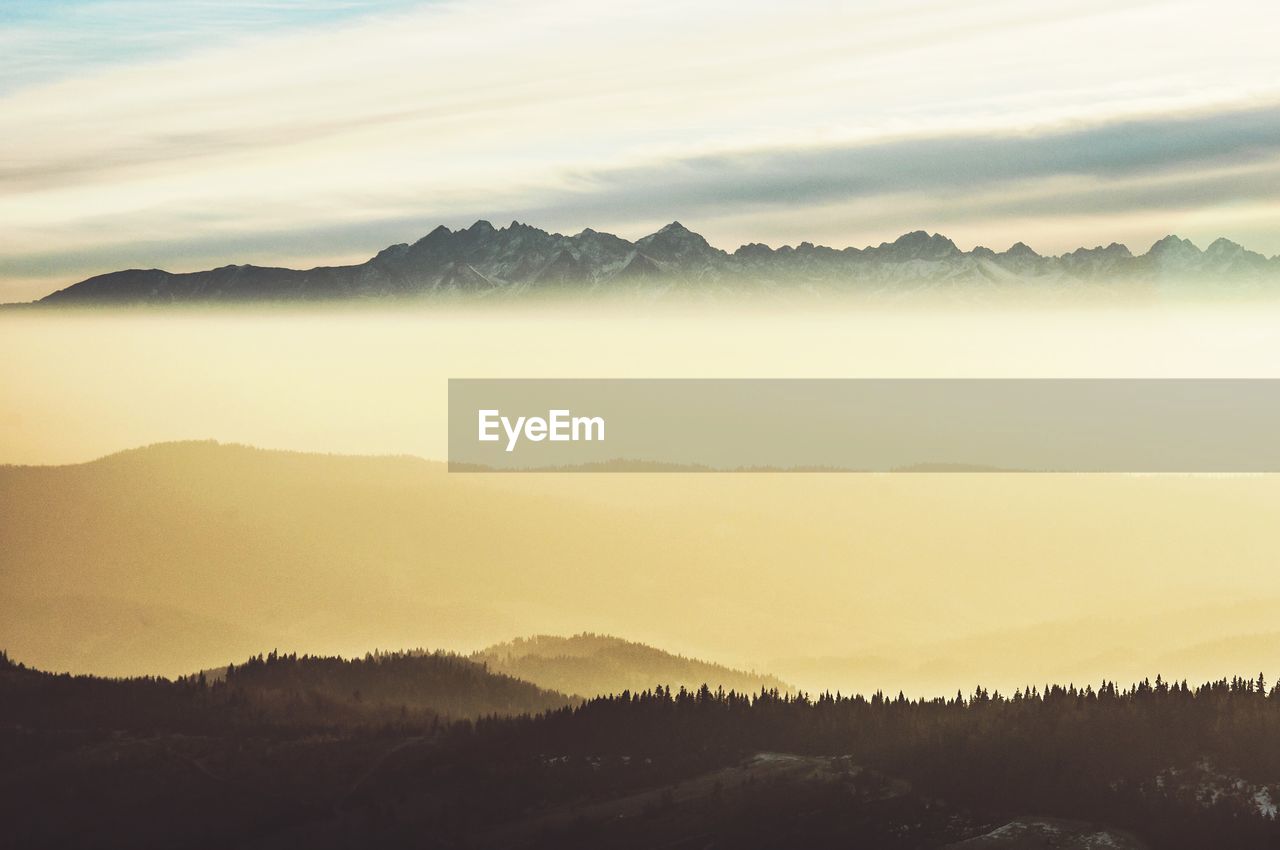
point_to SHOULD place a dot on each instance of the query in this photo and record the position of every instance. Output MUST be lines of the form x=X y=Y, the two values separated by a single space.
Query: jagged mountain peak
x=1174 y=244
x=439 y=237
x=1114 y=251
x=1231 y=256
x=918 y=245
x=1222 y=243
x=753 y=249
x=1022 y=250
x=1225 y=249
x=674 y=233
x=588 y=235
x=677 y=246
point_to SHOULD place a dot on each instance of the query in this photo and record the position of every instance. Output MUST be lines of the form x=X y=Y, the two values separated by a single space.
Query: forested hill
x=324 y=753
x=444 y=683
x=590 y=664
x=1179 y=766
x=274 y=690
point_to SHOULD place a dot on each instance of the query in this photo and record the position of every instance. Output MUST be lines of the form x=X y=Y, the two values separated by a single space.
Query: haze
x=168 y=560
x=78 y=385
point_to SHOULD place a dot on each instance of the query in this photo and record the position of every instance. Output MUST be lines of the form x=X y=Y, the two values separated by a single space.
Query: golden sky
x=79 y=385
x=921 y=582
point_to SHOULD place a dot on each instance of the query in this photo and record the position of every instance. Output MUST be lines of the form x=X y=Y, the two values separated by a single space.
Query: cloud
x=55 y=39
x=1111 y=159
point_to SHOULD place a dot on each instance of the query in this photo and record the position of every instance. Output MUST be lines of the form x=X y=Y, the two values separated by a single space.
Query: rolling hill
x=589 y=664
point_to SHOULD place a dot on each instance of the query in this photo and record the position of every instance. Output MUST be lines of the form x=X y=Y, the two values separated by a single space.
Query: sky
x=187 y=134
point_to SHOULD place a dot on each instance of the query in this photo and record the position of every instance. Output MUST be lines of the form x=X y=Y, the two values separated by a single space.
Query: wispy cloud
x=1121 y=160
x=55 y=39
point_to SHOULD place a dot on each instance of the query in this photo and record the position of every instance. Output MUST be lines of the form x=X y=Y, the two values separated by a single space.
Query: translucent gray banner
x=1053 y=425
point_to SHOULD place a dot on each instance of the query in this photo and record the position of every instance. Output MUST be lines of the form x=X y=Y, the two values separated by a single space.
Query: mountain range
x=483 y=260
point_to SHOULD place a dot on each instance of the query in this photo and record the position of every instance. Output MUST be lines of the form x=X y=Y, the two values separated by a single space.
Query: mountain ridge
x=486 y=261
x=589 y=664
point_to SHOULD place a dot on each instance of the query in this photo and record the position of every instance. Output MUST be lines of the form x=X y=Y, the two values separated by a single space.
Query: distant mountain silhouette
x=589 y=665
x=518 y=259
